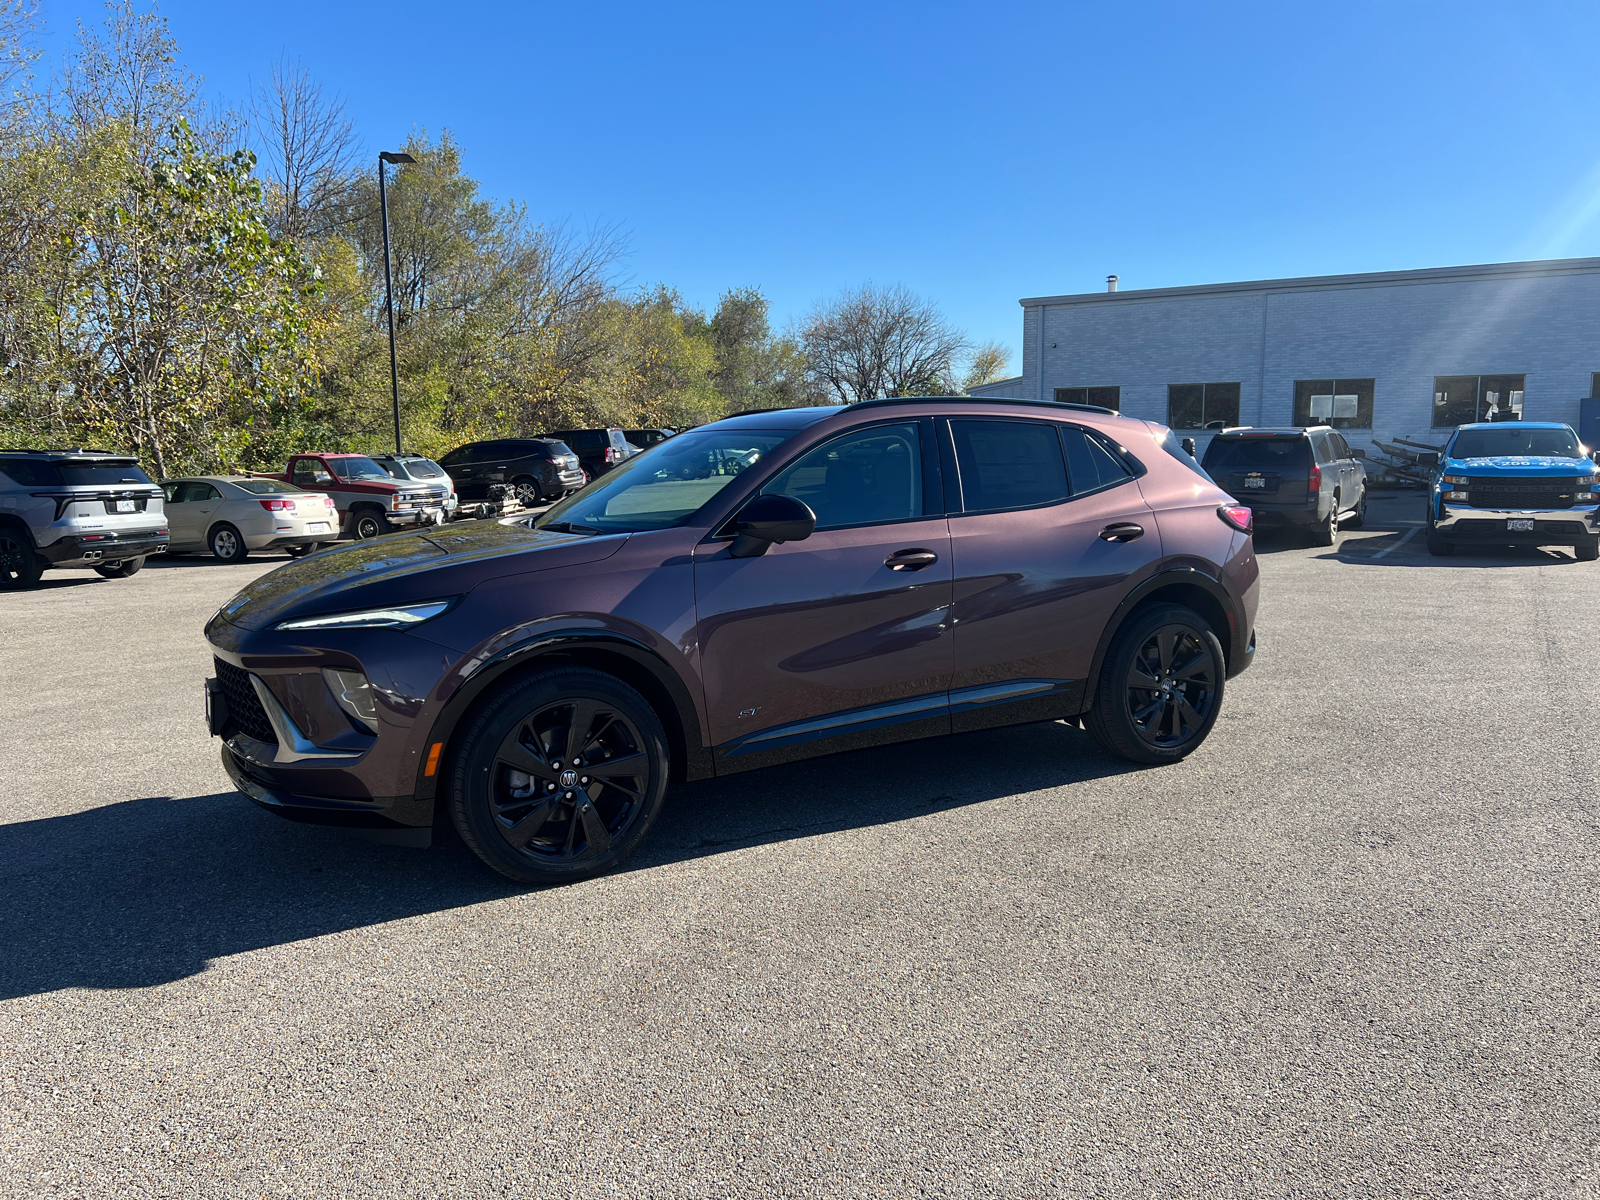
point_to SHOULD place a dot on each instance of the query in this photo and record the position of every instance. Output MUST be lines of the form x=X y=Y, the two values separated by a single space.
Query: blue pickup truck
x=1509 y=483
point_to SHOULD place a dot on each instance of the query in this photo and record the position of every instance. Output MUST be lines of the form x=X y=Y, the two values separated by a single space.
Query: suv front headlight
x=400 y=616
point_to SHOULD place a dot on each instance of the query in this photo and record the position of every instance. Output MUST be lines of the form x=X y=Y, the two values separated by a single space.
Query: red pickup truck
x=370 y=500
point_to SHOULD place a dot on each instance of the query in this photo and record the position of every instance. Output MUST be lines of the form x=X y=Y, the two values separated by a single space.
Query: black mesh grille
x=1513 y=492
x=243 y=703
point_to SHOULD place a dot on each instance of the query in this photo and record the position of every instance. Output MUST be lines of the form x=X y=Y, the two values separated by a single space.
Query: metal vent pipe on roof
x=1111 y=283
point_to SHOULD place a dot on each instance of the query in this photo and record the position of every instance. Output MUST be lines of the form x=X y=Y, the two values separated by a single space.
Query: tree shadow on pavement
x=148 y=891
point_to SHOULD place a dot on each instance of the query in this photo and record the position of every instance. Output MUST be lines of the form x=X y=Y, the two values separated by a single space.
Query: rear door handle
x=1127 y=531
x=910 y=560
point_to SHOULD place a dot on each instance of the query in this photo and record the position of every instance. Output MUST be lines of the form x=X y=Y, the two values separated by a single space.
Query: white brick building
x=1407 y=353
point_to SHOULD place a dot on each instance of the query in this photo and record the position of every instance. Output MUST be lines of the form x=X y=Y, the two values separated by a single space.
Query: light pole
x=385 y=156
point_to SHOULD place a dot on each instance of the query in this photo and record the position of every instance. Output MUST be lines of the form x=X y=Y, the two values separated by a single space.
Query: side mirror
x=768 y=519
x=1188 y=446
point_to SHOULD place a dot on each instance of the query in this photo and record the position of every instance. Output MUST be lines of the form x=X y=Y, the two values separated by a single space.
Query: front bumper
x=1551 y=526
x=420 y=515
x=98 y=549
x=377 y=813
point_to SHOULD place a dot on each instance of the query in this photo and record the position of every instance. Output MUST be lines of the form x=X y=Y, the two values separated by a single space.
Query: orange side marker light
x=433 y=759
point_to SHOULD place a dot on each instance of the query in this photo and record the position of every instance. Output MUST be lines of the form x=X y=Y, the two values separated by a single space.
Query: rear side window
x=30 y=474
x=1091 y=466
x=1008 y=464
x=1257 y=454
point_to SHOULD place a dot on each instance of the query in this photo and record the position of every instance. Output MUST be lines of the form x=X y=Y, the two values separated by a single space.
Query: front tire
x=121 y=570
x=1437 y=545
x=368 y=523
x=1160 y=686
x=559 y=777
x=1358 y=518
x=20 y=564
x=227 y=544
x=1587 y=551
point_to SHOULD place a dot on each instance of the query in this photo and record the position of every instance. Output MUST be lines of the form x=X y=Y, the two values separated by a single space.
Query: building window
x=1594 y=384
x=1202 y=405
x=1100 y=397
x=1342 y=403
x=1463 y=399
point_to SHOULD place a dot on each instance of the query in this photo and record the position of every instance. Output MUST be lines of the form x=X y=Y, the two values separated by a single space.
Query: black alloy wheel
x=368 y=523
x=559 y=777
x=1160 y=686
x=121 y=570
x=20 y=564
x=528 y=491
x=227 y=544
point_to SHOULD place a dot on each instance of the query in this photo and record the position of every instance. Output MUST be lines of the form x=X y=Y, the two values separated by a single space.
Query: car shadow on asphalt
x=149 y=891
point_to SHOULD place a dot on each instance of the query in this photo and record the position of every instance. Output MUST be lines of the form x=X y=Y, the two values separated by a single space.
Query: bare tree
x=19 y=46
x=308 y=147
x=129 y=77
x=873 y=342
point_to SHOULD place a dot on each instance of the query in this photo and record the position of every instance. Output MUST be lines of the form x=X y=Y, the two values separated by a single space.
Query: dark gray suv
x=1307 y=479
x=535 y=468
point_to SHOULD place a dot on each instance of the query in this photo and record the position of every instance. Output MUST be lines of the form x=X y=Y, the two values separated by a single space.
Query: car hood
x=408 y=567
x=1523 y=465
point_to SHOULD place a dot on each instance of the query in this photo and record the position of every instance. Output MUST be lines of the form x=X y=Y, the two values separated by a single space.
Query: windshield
x=1272 y=454
x=666 y=486
x=354 y=470
x=263 y=487
x=1515 y=443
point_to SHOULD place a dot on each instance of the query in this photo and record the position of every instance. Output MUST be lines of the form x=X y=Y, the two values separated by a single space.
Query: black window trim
x=930 y=471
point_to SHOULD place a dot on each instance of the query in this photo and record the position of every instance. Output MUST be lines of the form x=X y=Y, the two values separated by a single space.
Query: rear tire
x=121 y=570
x=1438 y=546
x=528 y=491
x=1327 y=533
x=559 y=777
x=227 y=544
x=1587 y=551
x=20 y=564
x=1173 y=649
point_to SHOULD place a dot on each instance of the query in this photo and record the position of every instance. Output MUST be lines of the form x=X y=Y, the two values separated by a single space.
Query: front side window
x=1341 y=403
x=1091 y=466
x=867 y=477
x=1008 y=464
x=1202 y=405
x=1468 y=399
x=658 y=490
x=1100 y=397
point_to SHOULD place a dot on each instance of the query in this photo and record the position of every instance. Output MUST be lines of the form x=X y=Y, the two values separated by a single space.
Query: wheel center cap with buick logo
x=569 y=779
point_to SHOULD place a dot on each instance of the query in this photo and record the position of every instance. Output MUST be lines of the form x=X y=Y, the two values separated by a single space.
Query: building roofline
x=1509 y=270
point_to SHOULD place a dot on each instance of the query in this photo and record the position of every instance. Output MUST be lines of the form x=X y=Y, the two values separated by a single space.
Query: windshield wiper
x=570 y=527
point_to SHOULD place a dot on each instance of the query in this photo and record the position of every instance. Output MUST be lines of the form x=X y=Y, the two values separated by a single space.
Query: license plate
x=1260 y=483
x=1519 y=524
x=317 y=527
x=125 y=506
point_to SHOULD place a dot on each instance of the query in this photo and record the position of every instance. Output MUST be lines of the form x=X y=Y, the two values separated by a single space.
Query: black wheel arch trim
x=1235 y=643
x=697 y=761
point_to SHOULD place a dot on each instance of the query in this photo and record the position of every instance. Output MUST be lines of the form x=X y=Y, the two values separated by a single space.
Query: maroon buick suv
x=766 y=588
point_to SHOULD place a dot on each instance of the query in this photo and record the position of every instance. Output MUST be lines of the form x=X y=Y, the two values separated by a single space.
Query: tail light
x=277 y=505
x=328 y=500
x=1236 y=515
x=1314 y=480
x=611 y=454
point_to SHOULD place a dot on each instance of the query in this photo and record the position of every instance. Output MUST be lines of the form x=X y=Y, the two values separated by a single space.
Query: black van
x=1306 y=479
x=539 y=468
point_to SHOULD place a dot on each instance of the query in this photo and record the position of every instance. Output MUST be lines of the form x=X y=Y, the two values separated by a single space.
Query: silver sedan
x=231 y=515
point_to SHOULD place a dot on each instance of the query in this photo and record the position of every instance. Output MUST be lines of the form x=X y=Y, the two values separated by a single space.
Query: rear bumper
x=1266 y=516
x=97 y=549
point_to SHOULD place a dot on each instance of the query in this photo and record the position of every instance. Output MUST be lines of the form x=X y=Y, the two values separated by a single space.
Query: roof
x=117 y=459
x=1483 y=271
x=1516 y=425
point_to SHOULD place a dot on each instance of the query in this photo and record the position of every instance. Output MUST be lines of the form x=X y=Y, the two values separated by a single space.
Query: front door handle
x=910 y=560
x=1127 y=531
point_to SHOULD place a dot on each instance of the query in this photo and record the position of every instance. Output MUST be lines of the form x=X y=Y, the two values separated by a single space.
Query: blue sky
x=977 y=153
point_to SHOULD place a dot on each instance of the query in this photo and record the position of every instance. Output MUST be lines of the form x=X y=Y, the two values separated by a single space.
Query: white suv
x=76 y=508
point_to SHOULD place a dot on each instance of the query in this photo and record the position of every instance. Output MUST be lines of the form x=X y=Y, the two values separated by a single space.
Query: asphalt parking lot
x=1346 y=949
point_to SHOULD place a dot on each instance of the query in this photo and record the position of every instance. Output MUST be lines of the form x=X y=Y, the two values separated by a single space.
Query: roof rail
x=1094 y=408
x=750 y=412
